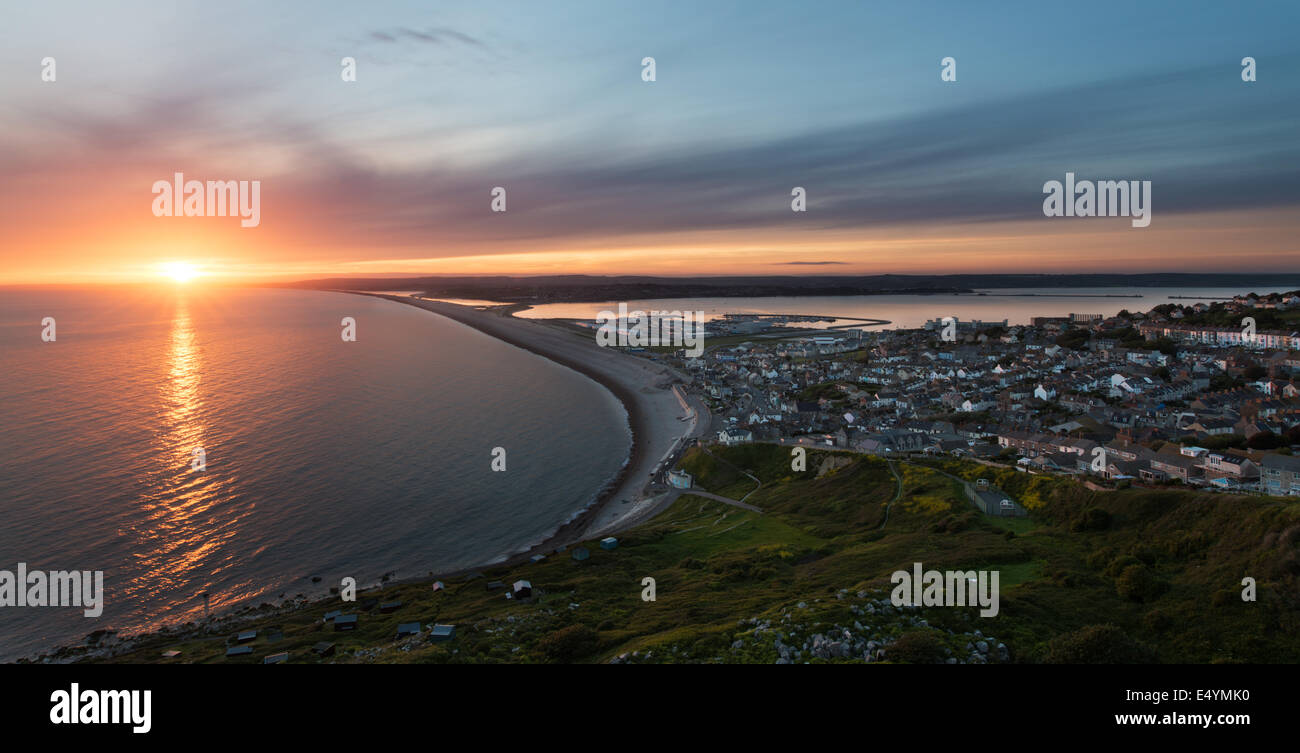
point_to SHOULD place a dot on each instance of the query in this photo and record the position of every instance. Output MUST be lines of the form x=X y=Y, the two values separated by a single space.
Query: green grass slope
x=1130 y=576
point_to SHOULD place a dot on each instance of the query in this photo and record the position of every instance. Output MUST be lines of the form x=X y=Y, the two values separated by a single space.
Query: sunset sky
x=608 y=174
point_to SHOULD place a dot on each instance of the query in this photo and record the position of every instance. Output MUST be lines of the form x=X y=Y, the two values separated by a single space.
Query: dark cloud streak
x=438 y=36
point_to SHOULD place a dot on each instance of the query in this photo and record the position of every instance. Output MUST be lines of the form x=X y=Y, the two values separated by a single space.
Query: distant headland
x=593 y=288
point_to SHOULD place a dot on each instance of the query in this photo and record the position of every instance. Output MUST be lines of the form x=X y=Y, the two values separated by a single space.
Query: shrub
x=1099 y=558
x=1138 y=583
x=1092 y=519
x=917 y=647
x=1097 y=644
x=1264 y=440
x=1157 y=621
x=568 y=643
x=1121 y=563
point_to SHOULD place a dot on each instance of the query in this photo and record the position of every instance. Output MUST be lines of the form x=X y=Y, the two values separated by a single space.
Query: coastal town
x=1168 y=405
x=1200 y=393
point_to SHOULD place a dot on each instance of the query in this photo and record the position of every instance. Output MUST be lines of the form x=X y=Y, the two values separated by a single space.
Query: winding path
x=724 y=500
x=898 y=493
x=752 y=477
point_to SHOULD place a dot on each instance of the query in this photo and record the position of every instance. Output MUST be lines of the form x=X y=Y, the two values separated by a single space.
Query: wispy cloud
x=438 y=36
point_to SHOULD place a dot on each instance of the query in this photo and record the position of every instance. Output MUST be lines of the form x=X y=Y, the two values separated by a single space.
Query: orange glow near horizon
x=1205 y=242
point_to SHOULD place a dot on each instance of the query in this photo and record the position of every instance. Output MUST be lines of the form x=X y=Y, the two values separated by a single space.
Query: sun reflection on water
x=185 y=527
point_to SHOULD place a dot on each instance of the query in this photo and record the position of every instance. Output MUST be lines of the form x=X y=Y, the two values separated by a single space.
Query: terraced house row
x=1225 y=337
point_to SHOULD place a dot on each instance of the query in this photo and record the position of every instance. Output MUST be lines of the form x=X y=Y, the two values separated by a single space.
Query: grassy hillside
x=1134 y=575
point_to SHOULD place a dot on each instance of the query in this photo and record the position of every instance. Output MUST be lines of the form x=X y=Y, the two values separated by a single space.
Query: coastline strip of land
x=659 y=426
x=662 y=419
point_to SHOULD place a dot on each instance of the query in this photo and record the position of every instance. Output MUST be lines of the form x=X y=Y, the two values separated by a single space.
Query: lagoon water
x=324 y=458
x=909 y=311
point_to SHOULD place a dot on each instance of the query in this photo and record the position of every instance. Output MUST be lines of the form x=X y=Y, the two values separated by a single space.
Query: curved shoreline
x=632 y=381
x=616 y=372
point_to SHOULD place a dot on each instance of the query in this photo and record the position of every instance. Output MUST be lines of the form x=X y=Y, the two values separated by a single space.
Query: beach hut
x=536 y=558
x=523 y=589
x=345 y=622
x=495 y=585
x=246 y=636
x=239 y=651
x=408 y=628
x=171 y=654
x=442 y=633
x=324 y=648
x=437 y=586
x=609 y=543
x=390 y=607
x=283 y=656
x=581 y=553
x=331 y=615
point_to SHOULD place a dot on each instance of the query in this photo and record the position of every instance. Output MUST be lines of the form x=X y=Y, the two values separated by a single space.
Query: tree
x=1264 y=440
x=1075 y=339
x=1164 y=345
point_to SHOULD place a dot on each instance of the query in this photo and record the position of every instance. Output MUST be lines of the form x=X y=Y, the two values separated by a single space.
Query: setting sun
x=180 y=271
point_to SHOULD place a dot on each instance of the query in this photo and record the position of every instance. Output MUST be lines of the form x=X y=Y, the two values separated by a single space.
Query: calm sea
x=910 y=311
x=324 y=458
